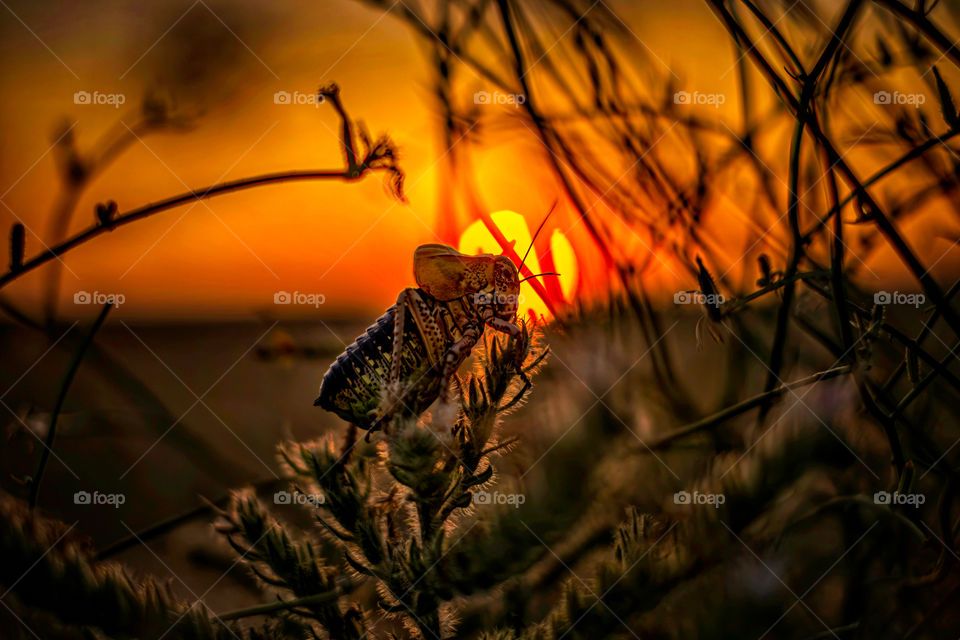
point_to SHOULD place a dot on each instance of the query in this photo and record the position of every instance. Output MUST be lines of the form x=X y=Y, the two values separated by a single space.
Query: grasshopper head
x=506 y=291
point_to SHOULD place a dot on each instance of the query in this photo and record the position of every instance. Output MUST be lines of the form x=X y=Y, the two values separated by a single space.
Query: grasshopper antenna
x=534 y=239
x=550 y=273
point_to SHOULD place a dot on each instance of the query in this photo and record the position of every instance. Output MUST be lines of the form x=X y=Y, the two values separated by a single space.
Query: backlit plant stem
x=378 y=156
x=61 y=398
x=880 y=218
x=741 y=407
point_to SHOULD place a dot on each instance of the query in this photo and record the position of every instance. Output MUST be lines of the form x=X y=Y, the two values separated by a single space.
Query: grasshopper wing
x=446 y=274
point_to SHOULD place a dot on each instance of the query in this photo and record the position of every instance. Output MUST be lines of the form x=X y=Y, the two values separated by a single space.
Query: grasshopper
x=409 y=357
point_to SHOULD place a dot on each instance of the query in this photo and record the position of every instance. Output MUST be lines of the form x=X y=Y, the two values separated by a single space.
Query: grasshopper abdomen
x=353 y=386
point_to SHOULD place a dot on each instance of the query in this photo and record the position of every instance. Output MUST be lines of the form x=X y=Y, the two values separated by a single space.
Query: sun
x=477 y=239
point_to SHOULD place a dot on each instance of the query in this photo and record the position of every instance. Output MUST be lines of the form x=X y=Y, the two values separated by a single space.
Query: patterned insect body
x=406 y=360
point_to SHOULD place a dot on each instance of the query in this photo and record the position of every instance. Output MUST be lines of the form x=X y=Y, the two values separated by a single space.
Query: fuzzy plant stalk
x=393 y=510
x=661 y=557
x=54 y=587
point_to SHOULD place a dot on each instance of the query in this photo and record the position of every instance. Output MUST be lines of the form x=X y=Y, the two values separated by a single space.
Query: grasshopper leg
x=454 y=356
x=398 y=321
x=515 y=332
x=393 y=395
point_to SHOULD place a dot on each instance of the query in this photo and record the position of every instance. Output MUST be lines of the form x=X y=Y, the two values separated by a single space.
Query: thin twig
x=913 y=154
x=168 y=203
x=61 y=397
x=947 y=46
x=378 y=156
x=282 y=605
x=882 y=220
x=804 y=114
x=171 y=523
x=739 y=408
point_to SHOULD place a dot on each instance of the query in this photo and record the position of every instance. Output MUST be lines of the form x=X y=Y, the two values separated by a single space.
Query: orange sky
x=352 y=243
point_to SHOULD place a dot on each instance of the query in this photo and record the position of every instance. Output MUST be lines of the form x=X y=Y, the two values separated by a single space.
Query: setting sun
x=559 y=256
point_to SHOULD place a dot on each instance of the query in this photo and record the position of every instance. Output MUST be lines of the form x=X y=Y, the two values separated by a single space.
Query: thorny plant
x=395 y=512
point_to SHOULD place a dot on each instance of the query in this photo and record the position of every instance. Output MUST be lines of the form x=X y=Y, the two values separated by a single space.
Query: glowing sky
x=228 y=256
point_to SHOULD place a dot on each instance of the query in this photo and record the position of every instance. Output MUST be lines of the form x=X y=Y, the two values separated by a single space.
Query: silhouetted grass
x=821 y=400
